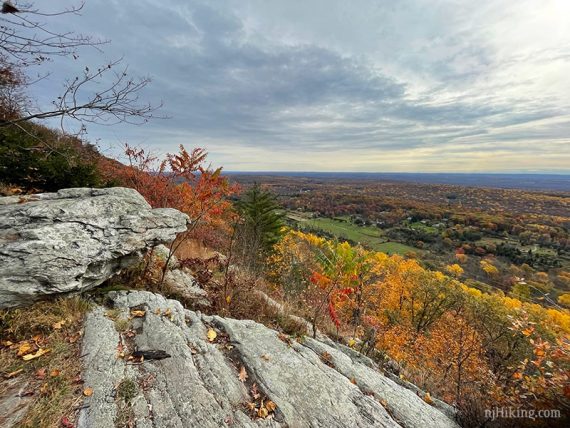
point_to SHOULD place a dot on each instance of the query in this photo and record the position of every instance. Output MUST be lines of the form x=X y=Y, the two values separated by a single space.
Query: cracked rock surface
x=313 y=383
x=75 y=239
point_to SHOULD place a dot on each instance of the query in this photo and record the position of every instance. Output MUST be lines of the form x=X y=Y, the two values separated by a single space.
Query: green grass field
x=395 y=248
x=368 y=236
x=344 y=229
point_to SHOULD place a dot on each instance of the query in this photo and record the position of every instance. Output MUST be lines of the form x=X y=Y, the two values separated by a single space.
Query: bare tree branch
x=107 y=95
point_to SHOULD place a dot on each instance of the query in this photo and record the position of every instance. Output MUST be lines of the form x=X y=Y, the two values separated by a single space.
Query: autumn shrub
x=473 y=349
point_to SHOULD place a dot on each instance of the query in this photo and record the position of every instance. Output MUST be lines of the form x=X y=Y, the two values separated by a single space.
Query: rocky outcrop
x=75 y=239
x=192 y=379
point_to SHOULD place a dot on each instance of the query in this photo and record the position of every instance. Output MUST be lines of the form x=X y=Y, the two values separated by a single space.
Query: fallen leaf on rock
x=265 y=357
x=351 y=342
x=270 y=406
x=251 y=406
x=88 y=392
x=13 y=374
x=254 y=392
x=212 y=335
x=137 y=313
x=242 y=374
x=383 y=402
x=262 y=412
x=157 y=311
x=38 y=354
x=427 y=398
x=167 y=312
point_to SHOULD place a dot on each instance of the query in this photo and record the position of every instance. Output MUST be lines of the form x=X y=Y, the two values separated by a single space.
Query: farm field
x=342 y=228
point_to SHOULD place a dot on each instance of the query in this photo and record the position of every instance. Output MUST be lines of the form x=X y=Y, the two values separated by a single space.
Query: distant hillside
x=543 y=182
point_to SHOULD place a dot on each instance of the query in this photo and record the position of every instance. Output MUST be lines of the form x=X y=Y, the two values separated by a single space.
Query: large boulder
x=75 y=239
x=190 y=378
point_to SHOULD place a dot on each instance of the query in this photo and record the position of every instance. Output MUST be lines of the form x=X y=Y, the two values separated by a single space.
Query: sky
x=365 y=85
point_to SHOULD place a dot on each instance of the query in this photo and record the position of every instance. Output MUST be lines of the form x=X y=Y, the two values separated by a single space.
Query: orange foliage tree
x=182 y=181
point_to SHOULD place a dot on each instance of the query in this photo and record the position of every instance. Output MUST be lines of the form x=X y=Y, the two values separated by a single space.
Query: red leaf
x=65 y=423
x=333 y=315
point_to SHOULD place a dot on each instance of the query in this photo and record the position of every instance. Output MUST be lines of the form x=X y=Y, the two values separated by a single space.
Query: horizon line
x=567 y=173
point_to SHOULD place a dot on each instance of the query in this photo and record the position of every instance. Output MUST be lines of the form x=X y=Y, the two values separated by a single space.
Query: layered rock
x=75 y=239
x=195 y=381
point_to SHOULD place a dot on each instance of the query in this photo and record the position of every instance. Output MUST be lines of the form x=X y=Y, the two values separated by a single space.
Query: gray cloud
x=301 y=81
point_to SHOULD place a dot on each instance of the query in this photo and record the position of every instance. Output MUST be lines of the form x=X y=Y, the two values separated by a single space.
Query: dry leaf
x=251 y=406
x=167 y=312
x=138 y=314
x=351 y=342
x=24 y=348
x=65 y=422
x=212 y=335
x=58 y=324
x=54 y=373
x=262 y=412
x=265 y=357
x=41 y=373
x=427 y=398
x=242 y=374
x=44 y=388
x=13 y=374
x=353 y=381
x=254 y=393
x=270 y=406
x=88 y=392
x=7 y=343
x=157 y=311
x=36 y=355
x=383 y=402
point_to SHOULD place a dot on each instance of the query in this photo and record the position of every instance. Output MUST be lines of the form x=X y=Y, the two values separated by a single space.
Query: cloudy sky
x=368 y=85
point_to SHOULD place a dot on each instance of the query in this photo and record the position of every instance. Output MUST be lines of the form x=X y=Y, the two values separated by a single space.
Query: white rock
x=75 y=239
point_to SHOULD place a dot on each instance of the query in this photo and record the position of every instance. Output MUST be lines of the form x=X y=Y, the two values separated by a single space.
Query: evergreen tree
x=260 y=227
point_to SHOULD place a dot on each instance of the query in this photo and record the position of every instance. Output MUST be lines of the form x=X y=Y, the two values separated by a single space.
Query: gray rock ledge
x=75 y=239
